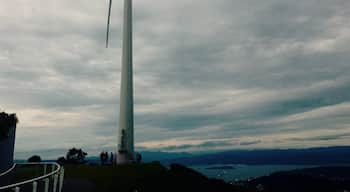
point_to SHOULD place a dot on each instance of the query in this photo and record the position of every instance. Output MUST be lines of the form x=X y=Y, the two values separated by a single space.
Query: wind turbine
x=125 y=152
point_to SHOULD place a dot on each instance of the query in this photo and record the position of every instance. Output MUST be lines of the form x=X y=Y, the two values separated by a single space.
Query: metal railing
x=56 y=176
x=8 y=171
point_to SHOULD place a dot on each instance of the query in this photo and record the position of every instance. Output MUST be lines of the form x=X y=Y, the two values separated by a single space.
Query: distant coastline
x=225 y=167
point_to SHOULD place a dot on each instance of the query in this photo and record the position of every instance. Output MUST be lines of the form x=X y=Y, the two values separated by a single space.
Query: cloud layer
x=209 y=75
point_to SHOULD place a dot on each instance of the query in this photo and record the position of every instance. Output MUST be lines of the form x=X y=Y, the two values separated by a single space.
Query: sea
x=240 y=172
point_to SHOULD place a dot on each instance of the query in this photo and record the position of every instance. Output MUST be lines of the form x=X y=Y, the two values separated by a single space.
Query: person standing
x=111 y=158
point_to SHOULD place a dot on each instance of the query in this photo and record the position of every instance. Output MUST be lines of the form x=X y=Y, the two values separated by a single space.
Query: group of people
x=107 y=159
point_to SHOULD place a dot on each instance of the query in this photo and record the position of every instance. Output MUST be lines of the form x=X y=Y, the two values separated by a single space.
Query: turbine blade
x=108 y=22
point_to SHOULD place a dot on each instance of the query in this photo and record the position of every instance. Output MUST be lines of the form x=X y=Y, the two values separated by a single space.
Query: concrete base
x=124 y=158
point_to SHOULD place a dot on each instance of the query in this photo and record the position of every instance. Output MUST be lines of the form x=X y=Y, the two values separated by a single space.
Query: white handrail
x=8 y=171
x=35 y=179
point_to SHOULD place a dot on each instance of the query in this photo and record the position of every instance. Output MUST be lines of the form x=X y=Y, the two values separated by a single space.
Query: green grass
x=114 y=178
x=125 y=171
x=25 y=173
x=146 y=177
x=128 y=178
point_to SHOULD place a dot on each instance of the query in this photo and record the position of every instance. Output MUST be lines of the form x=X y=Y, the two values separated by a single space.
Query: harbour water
x=243 y=172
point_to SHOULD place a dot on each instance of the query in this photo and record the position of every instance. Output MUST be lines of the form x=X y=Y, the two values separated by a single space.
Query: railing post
x=35 y=186
x=61 y=179
x=55 y=178
x=47 y=184
x=45 y=167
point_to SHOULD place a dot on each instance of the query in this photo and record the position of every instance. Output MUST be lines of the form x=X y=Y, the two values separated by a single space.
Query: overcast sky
x=209 y=75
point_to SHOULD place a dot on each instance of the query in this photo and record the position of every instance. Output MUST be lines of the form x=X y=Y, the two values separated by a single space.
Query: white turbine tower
x=126 y=112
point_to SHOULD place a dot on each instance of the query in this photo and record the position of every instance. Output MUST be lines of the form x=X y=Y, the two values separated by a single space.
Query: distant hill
x=149 y=156
x=312 y=156
x=320 y=179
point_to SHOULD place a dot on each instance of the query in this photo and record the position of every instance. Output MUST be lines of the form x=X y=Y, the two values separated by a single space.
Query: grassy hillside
x=145 y=177
x=318 y=179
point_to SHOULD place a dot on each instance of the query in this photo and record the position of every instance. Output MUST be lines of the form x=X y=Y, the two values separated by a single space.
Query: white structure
x=6 y=150
x=7 y=141
x=126 y=111
x=125 y=152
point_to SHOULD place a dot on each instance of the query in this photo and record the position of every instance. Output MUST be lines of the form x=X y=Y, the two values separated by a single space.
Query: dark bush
x=34 y=159
x=76 y=156
x=61 y=160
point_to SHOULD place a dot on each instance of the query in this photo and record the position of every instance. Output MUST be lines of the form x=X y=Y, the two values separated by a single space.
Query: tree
x=76 y=156
x=34 y=159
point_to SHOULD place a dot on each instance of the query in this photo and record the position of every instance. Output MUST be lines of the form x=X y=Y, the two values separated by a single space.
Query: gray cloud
x=229 y=69
x=247 y=143
x=207 y=145
x=324 y=137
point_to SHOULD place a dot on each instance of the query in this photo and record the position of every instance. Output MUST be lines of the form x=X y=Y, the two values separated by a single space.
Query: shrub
x=61 y=160
x=34 y=159
x=76 y=156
